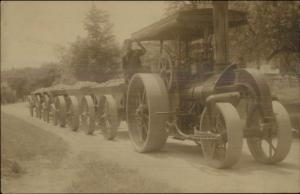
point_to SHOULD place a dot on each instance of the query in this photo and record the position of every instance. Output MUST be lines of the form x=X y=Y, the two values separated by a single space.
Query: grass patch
x=109 y=177
x=21 y=141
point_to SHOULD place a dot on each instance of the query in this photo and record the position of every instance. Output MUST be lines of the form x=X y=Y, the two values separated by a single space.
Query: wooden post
x=220 y=23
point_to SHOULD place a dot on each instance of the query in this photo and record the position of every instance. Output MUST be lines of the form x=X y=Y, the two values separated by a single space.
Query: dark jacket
x=132 y=59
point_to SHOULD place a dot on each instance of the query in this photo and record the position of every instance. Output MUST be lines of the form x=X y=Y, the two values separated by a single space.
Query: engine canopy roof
x=189 y=24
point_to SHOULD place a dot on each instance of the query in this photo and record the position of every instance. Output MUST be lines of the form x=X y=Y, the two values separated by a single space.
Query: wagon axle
x=197 y=136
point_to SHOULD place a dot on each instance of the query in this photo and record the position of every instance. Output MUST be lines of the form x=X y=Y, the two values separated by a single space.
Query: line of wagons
x=84 y=104
x=216 y=105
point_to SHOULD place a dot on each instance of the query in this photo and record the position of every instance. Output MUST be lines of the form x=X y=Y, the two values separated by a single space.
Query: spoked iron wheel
x=274 y=143
x=166 y=70
x=147 y=95
x=61 y=107
x=34 y=111
x=30 y=105
x=38 y=107
x=223 y=121
x=88 y=114
x=46 y=108
x=73 y=113
x=53 y=114
x=109 y=120
x=43 y=111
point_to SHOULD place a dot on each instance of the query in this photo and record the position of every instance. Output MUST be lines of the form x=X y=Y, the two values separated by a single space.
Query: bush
x=8 y=95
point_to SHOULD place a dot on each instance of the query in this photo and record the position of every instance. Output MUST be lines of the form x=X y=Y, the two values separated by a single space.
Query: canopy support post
x=220 y=24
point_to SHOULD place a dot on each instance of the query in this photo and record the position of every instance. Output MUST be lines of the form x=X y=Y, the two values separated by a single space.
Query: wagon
x=205 y=99
x=103 y=106
x=35 y=101
x=67 y=104
x=41 y=99
x=88 y=105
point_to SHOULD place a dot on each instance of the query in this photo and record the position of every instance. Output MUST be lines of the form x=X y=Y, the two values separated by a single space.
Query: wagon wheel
x=53 y=114
x=34 y=106
x=166 y=70
x=31 y=105
x=147 y=95
x=73 y=113
x=43 y=111
x=61 y=107
x=223 y=121
x=38 y=107
x=88 y=114
x=46 y=108
x=275 y=141
x=109 y=120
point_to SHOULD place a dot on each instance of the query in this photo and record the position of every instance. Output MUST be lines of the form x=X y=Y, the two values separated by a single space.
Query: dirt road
x=179 y=164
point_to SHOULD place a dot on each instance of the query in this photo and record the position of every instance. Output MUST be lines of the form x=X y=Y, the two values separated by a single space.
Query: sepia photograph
x=150 y=96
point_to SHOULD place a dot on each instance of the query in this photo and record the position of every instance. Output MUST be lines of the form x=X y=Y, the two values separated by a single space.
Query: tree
x=272 y=35
x=174 y=6
x=272 y=32
x=95 y=57
x=25 y=80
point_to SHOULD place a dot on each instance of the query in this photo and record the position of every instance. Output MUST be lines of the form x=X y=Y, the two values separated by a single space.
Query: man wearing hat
x=132 y=59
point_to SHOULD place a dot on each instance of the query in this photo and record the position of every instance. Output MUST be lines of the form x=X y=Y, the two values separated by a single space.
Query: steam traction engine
x=210 y=102
x=192 y=93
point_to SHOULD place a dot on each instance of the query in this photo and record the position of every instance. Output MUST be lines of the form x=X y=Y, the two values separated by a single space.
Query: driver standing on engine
x=132 y=59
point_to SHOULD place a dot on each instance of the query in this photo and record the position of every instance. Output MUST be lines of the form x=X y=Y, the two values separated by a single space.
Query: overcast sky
x=30 y=31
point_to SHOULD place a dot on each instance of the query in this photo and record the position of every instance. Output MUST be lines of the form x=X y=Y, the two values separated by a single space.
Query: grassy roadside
x=22 y=142
x=102 y=176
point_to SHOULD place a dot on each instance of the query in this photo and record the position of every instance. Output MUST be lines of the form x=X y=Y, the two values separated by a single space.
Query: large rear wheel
x=147 y=95
x=274 y=142
x=88 y=114
x=224 y=122
x=109 y=120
